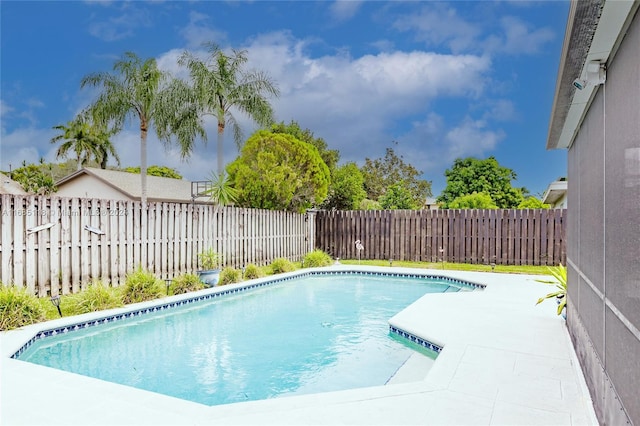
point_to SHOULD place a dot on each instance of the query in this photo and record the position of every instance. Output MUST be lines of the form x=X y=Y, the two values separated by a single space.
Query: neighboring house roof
x=431 y=203
x=555 y=192
x=9 y=186
x=159 y=189
x=595 y=29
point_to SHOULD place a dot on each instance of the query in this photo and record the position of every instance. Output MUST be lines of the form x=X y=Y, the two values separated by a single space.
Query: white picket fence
x=55 y=245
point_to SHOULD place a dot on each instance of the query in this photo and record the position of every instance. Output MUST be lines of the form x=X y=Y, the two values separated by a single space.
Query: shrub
x=140 y=286
x=209 y=259
x=316 y=258
x=186 y=283
x=281 y=264
x=18 y=308
x=230 y=275
x=252 y=271
x=560 y=284
x=96 y=297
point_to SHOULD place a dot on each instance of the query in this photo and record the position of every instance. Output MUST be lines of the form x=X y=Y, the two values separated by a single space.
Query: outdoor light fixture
x=390 y=261
x=595 y=73
x=493 y=267
x=167 y=282
x=56 y=302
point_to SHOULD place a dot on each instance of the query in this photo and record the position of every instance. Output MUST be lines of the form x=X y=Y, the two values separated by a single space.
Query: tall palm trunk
x=143 y=163
x=220 y=147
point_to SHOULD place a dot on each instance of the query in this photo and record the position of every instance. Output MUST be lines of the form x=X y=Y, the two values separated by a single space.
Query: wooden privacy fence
x=57 y=245
x=503 y=237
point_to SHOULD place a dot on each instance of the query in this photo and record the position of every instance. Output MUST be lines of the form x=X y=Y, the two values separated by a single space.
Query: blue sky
x=434 y=80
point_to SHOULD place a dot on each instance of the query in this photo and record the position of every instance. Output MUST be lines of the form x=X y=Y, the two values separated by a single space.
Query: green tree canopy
x=222 y=84
x=470 y=175
x=476 y=200
x=330 y=156
x=379 y=174
x=346 y=190
x=161 y=171
x=279 y=172
x=533 y=203
x=398 y=197
x=34 y=179
x=368 y=204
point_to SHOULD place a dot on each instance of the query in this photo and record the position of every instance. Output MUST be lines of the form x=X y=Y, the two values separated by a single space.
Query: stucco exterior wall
x=603 y=251
x=86 y=186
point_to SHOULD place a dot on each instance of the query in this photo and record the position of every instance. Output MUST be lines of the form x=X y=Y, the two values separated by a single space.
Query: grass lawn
x=508 y=269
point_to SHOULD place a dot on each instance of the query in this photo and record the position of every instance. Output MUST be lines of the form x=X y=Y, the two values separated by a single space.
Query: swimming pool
x=308 y=333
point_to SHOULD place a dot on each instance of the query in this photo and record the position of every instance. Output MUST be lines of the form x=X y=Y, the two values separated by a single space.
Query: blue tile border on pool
x=222 y=292
x=415 y=339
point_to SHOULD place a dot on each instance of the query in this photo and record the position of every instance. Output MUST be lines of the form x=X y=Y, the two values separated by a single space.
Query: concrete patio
x=505 y=362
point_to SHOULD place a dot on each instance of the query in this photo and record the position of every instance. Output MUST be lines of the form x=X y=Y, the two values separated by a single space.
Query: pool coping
x=450 y=382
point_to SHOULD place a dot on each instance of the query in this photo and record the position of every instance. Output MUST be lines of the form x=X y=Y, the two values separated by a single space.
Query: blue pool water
x=313 y=334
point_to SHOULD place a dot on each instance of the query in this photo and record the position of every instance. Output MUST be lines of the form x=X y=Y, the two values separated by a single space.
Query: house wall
x=603 y=249
x=561 y=203
x=86 y=186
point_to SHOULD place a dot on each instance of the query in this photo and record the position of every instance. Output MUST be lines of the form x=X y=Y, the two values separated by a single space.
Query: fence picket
x=7 y=216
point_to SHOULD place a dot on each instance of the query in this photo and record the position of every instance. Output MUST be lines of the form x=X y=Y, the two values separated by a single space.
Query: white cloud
x=131 y=19
x=5 y=111
x=198 y=32
x=25 y=144
x=383 y=45
x=432 y=145
x=343 y=10
x=438 y=24
x=471 y=138
x=168 y=62
x=498 y=110
x=518 y=38
x=521 y=39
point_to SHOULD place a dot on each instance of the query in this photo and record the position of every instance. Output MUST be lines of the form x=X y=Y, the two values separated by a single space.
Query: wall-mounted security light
x=579 y=83
x=595 y=74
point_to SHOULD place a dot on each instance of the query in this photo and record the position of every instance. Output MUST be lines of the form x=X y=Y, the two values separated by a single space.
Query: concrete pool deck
x=505 y=361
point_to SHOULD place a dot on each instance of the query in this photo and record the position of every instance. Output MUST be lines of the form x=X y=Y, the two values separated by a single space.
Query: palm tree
x=221 y=192
x=79 y=137
x=139 y=90
x=221 y=84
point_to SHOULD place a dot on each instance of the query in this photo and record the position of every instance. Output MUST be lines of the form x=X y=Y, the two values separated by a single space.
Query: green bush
x=96 y=297
x=281 y=264
x=140 y=286
x=209 y=259
x=186 y=283
x=230 y=275
x=252 y=271
x=316 y=258
x=18 y=308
